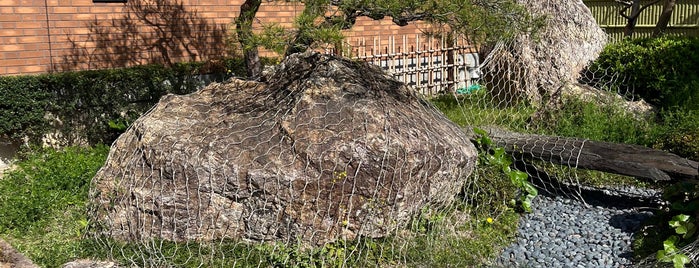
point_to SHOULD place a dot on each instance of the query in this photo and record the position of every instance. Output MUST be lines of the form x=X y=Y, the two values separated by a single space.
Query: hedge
x=94 y=106
x=664 y=71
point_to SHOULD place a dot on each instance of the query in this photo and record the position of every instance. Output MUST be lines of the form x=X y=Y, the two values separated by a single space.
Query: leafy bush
x=95 y=106
x=664 y=71
x=22 y=106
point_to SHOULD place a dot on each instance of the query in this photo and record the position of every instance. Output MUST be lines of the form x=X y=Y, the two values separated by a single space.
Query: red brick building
x=39 y=36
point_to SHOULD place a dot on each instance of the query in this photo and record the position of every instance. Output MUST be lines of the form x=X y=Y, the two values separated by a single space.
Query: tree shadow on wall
x=151 y=31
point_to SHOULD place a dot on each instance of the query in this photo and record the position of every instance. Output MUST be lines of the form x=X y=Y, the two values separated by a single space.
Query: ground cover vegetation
x=43 y=203
x=43 y=200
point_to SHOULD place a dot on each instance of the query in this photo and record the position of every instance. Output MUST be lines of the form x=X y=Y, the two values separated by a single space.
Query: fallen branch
x=624 y=159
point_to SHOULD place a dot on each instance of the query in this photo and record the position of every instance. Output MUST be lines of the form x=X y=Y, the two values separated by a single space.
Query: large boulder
x=535 y=68
x=320 y=149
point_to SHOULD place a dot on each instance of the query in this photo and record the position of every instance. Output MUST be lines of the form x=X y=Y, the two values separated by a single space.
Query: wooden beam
x=624 y=159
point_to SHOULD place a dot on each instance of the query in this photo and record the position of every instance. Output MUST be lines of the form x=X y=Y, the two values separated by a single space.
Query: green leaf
x=680 y=260
x=681 y=218
x=507 y=170
x=681 y=229
x=519 y=176
x=491 y=159
x=484 y=140
x=530 y=189
x=662 y=256
x=480 y=132
x=674 y=223
x=669 y=244
x=499 y=152
x=527 y=206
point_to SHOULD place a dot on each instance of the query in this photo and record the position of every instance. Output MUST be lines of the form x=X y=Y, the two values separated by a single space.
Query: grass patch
x=480 y=109
x=43 y=203
x=594 y=121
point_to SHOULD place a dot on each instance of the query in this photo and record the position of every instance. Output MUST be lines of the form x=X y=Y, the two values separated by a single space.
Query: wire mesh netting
x=293 y=172
x=318 y=165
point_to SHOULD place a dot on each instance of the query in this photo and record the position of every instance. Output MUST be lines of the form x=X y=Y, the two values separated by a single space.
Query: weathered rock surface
x=535 y=68
x=8 y=150
x=89 y=264
x=11 y=258
x=321 y=149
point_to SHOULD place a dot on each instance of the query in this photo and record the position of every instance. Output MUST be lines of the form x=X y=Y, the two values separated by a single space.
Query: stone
x=535 y=67
x=10 y=258
x=319 y=149
x=8 y=151
x=639 y=109
x=89 y=264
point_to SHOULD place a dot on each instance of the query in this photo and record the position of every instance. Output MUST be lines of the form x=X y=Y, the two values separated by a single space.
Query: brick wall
x=38 y=36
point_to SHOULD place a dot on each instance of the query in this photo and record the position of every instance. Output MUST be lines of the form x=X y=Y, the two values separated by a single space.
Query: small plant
x=683 y=198
x=685 y=229
x=496 y=156
x=683 y=226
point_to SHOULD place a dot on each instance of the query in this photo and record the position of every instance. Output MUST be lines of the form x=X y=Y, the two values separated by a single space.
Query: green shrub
x=22 y=106
x=664 y=71
x=95 y=106
x=43 y=203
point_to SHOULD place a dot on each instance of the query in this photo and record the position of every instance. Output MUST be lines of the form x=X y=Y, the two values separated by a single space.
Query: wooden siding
x=684 y=21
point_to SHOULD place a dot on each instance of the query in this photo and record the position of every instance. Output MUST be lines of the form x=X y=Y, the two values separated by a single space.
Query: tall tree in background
x=322 y=21
x=635 y=12
x=636 y=8
x=243 y=27
x=664 y=18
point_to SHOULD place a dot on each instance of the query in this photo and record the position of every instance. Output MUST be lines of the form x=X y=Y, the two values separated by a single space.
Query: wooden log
x=624 y=159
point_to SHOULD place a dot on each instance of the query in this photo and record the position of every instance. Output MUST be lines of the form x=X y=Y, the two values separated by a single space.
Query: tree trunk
x=664 y=18
x=243 y=25
x=636 y=9
x=631 y=22
x=624 y=159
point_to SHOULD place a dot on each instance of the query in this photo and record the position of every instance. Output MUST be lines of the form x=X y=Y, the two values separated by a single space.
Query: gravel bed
x=564 y=232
